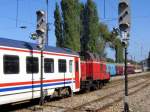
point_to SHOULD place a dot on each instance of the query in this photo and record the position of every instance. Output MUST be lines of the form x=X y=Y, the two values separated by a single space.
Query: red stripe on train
x=31 y=82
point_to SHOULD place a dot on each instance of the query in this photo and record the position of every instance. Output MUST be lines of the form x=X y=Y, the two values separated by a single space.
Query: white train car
x=20 y=71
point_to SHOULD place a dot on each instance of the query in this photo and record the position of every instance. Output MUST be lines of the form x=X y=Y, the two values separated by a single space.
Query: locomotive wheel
x=68 y=92
x=100 y=85
x=87 y=89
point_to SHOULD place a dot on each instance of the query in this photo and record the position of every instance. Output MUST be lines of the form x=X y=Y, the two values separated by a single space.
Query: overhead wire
x=104 y=9
x=113 y=8
x=17 y=13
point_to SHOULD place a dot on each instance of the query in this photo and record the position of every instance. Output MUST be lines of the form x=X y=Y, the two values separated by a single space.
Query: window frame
x=70 y=66
x=60 y=69
x=18 y=66
x=50 y=62
x=29 y=72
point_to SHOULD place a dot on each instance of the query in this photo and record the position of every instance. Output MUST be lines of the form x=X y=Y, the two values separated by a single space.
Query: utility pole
x=124 y=26
x=47 y=24
x=40 y=35
x=125 y=44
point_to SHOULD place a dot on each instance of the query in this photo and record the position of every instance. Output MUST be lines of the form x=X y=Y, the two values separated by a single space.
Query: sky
x=139 y=43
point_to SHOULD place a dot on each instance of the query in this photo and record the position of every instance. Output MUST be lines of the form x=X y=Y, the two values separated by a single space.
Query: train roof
x=32 y=46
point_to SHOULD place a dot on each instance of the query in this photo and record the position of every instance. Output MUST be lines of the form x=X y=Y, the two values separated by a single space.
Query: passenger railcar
x=111 y=69
x=130 y=69
x=119 y=69
x=20 y=71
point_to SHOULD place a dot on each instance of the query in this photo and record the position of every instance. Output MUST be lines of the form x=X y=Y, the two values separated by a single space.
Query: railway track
x=91 y=106
x=120 y=98
x=111 y=96
x=121 y=81
x=86 y=106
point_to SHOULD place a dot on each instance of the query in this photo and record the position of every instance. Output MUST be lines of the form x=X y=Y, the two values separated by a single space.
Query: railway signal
x=34 y=36
x=124 y=15
x=41 y=28
x=40 y=35
x=124 y=26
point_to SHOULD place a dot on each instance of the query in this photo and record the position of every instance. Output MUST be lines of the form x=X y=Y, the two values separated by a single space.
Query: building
x=146 y=63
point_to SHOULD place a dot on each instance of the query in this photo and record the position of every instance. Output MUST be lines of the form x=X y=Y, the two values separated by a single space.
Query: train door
x=77 y=77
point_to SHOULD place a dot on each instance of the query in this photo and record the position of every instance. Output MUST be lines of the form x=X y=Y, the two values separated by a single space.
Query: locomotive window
x=77 y=66
x=11 y=64
x=70 y=66
x=32 y=65
x=62 y=65
x=48 y=65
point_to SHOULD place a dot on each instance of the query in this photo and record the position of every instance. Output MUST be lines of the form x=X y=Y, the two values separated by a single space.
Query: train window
x=32 y=65
x=62 y=65
x=77 y=66
x=11 y=64
x=48 y=65
x=70 y=66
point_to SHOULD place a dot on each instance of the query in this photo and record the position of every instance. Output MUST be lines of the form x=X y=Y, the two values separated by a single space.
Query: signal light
x=124 y=15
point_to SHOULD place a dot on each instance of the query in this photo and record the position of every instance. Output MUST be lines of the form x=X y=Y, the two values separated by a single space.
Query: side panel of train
x=93 y=74
x=119 y=69
x=130 y=69
x=111 y=69
x=20 y=74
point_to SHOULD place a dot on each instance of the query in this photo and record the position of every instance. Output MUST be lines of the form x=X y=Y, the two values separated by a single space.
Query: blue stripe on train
x=33 y=86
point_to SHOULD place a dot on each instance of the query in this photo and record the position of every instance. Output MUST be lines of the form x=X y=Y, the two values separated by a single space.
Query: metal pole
x=42 y=96
x=47 y=23
x=126 y=106
x=125 y=43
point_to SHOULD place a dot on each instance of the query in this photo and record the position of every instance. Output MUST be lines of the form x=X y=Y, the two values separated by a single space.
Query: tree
x=118 y=50
x=110 y=60
x=71 y=23
x=90 y=22
x=116 y=44
x=58 y=27
x=104 y=39
x=104 y=32
x=111 y=39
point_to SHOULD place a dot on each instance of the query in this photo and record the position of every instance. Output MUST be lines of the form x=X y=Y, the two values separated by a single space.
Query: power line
x=17 y=13
x=133 y=18
x=104 y=9
x=14 y=19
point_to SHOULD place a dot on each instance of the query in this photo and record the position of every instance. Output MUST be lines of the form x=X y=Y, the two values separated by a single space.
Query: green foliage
x=111 y=38
x=90 y=22
x=104 y=32
x=119 y=50
x=104 y=39
x=110 y=60
x=101 y=47
x=80 y=22
x=58 y=27
x=71 y=23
